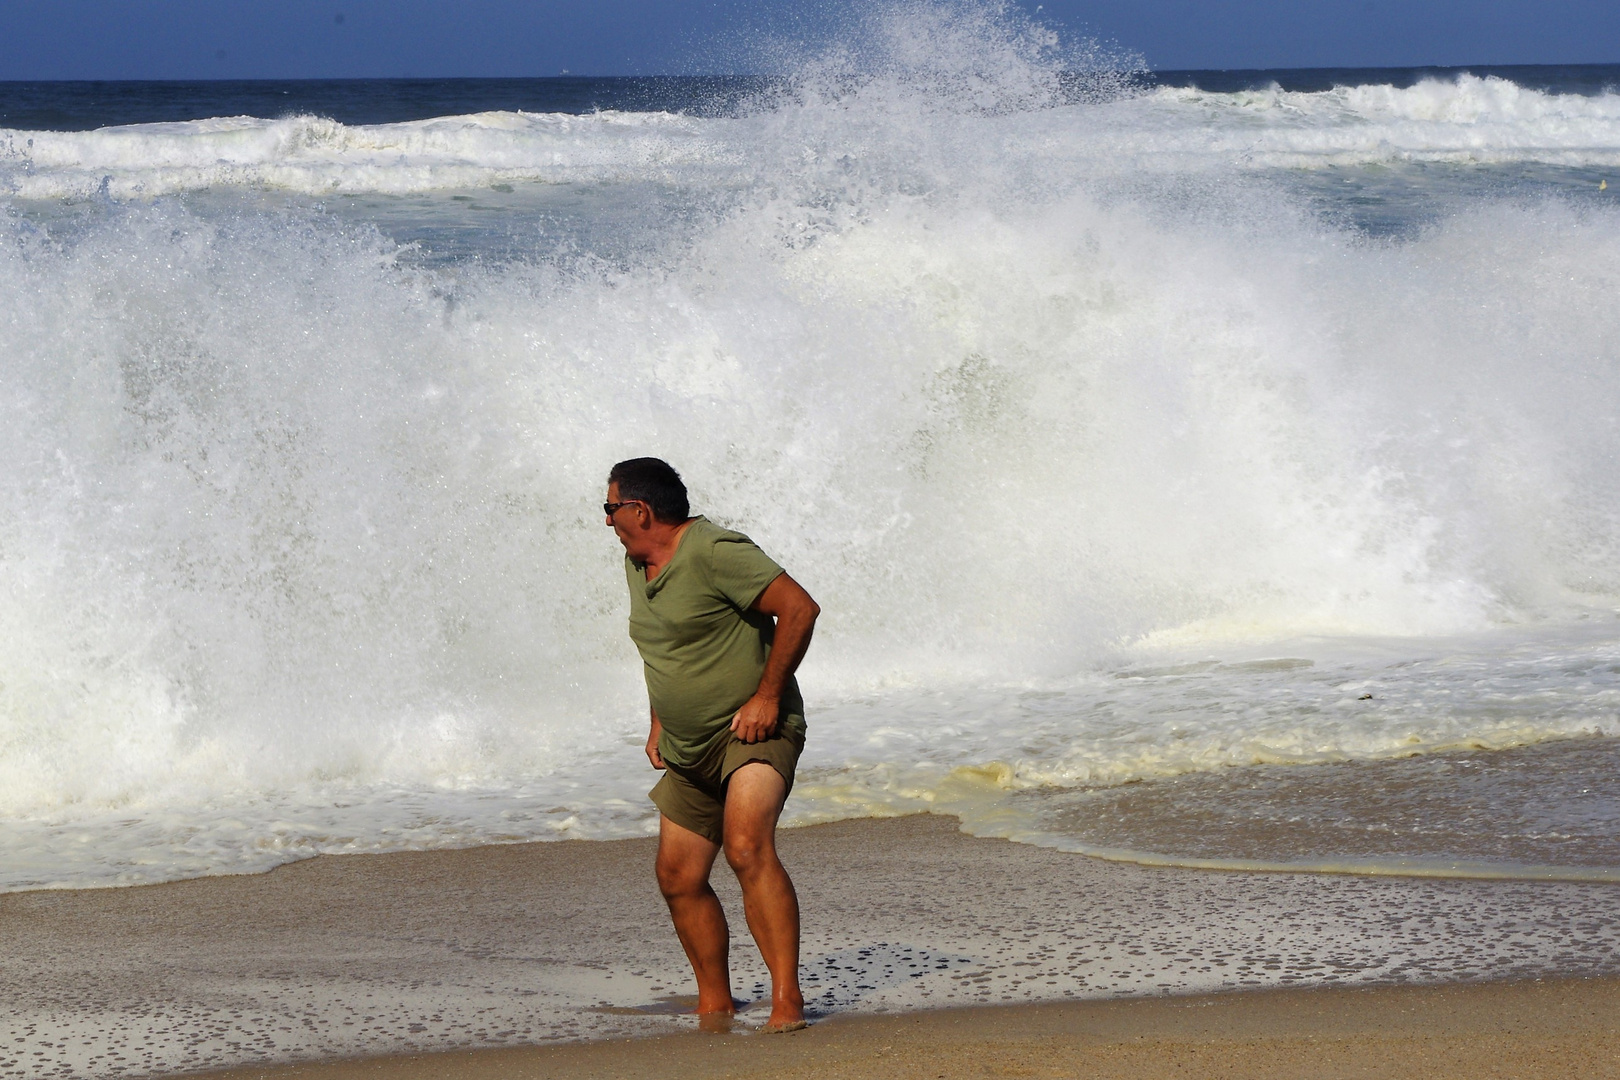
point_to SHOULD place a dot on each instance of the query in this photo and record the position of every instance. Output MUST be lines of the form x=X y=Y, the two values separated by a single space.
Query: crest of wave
x=1462 y=120
x=1018 y=418
x=954 y=57
x=916 y=97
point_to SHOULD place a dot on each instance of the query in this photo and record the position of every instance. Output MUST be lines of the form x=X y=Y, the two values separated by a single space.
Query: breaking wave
x=299 y=547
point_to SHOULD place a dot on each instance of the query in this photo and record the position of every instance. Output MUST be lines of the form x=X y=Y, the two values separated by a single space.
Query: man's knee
x=749 y=850
x=680 y=877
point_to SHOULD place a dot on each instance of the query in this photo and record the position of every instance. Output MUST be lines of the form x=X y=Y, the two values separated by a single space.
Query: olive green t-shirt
x=702 y=647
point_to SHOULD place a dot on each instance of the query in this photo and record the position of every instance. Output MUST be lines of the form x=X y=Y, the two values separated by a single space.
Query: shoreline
x=375 y=957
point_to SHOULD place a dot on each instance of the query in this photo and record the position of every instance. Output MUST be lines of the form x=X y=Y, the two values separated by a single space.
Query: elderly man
x=721 y=630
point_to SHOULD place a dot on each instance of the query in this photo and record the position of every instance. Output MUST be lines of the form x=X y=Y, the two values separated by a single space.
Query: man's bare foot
x=774 y=1028
x=717 y=1016
x=787 y=1014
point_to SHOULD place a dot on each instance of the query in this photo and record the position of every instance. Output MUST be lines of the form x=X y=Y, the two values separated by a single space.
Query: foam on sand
x=532 y=944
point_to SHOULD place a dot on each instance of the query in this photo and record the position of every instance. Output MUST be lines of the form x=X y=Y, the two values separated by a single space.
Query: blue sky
x=46 y=39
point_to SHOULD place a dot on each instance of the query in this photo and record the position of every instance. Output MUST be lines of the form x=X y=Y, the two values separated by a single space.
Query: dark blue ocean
x=85 y=106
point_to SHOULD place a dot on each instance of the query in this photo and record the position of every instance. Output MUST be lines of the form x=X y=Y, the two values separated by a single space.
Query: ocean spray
x=299 y=546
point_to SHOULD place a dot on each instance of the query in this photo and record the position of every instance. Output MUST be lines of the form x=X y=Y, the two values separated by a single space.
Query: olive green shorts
x=695 y=797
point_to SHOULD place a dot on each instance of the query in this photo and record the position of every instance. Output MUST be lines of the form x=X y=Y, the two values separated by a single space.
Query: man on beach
x=721 y=630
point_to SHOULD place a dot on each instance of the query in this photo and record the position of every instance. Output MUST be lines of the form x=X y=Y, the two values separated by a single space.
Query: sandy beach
x=383 y=963
x=1521 y=1029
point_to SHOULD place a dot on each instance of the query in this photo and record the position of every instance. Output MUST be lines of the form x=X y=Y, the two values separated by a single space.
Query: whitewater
x=1171 y=464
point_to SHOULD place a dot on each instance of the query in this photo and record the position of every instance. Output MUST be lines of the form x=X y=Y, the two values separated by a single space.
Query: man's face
x=626 y=521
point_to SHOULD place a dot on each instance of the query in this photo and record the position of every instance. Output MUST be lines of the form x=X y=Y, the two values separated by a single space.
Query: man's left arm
x=795 y=613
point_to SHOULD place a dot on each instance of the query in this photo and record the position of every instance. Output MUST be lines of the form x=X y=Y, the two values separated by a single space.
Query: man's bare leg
x=684 y=862
x=754 y=798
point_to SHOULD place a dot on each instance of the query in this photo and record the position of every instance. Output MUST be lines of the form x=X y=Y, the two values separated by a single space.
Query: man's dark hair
x=655 y=483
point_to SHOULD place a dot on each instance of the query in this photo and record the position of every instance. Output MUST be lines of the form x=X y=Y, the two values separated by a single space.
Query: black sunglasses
x=613 y=508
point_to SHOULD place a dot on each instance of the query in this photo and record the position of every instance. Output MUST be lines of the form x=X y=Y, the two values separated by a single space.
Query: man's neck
x=663 y=544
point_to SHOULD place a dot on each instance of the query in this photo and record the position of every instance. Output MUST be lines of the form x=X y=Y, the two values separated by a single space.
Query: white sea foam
x=319 y=156
x=1466 y=120
x=299 y=547
x=1469 y=120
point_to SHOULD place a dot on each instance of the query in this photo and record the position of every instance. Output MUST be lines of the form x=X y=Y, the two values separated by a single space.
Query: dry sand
x=360 y=956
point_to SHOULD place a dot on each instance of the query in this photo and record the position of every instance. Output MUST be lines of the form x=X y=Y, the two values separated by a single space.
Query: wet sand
x=907 y=920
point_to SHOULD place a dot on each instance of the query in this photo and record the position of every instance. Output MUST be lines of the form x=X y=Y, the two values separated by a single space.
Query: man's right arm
x=653 y=755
